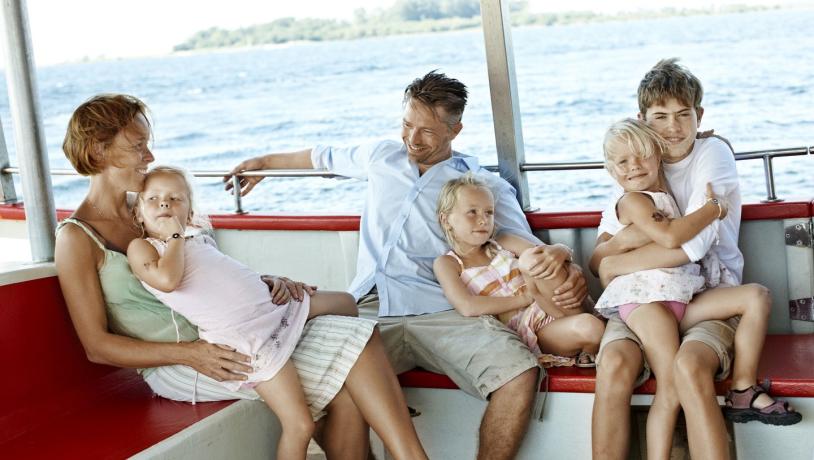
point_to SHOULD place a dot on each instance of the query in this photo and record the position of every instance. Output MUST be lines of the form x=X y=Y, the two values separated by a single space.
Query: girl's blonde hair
x=447 y=200
x=196 y=219
x=639 y=138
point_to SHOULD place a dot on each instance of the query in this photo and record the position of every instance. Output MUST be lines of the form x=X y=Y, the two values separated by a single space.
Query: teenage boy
x=669 y=98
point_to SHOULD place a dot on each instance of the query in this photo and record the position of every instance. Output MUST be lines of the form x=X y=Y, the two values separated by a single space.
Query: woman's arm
x=162 y=273
x=77 y=258
x=447 y=271
x=639 y=209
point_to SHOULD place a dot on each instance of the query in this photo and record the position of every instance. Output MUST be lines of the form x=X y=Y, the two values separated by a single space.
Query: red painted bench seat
x=786 y=361
x=54 y=403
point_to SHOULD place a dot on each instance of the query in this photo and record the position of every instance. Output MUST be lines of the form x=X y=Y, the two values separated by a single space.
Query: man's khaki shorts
x=718 y=335
x=479 y=354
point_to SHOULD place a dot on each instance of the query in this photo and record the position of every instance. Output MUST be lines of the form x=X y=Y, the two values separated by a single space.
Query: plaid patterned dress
x=502 y=278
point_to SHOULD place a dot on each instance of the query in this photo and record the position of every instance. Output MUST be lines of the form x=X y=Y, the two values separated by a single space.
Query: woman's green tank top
x=131 y=310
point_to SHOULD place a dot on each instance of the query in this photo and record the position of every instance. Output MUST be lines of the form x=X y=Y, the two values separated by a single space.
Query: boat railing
x=766 y=155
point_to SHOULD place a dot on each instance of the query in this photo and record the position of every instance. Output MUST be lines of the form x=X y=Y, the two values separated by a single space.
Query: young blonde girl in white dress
x=481 y=275
x=231 y=305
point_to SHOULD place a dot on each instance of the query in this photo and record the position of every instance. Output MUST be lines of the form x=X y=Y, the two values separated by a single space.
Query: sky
x=64 y=31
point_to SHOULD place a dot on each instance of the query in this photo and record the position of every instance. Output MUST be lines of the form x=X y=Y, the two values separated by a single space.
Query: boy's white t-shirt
x=711 y=160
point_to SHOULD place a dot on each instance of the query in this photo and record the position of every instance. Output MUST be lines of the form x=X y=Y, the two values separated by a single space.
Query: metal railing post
x=7 y=193
x=768 y=171
x=236 y=191
x=29 y=136
x=505 y=102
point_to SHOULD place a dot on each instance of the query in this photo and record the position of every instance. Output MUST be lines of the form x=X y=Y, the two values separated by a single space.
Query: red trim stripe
x=537 y=220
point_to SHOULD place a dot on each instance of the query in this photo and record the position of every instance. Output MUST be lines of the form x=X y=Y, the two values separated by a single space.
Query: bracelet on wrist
x=717 y=202
x=174 y=236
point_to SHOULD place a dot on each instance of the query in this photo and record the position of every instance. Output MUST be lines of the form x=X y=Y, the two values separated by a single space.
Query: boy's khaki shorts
x=479 y=354
x=718 y=335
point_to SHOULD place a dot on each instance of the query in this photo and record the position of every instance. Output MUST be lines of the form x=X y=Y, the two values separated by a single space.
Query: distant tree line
x=405 y=17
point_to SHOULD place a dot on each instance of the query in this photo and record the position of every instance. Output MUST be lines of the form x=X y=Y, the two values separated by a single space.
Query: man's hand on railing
x=246 y=183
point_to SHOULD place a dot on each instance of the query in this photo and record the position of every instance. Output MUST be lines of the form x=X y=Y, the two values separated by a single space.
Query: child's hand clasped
x=166 y=227
x=542 y=262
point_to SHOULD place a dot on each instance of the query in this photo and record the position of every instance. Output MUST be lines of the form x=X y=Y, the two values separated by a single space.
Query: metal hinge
x=799 y=235
x=802 y=309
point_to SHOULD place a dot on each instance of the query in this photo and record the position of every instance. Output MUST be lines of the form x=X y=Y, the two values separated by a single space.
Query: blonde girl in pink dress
x=230 y=303
x=485 y=275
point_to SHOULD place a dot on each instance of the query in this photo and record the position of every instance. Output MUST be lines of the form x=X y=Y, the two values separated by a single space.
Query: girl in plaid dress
x=485 y=275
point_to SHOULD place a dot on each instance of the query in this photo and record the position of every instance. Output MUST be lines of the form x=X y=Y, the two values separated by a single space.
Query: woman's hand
x=283 y=289
x=720 y=202
x=573 y=291
x=543 y=262
x=218 y=361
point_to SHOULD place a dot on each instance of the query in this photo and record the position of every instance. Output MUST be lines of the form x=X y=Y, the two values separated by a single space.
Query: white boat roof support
x=28 y=132
x=505 y=101
x=7 y=193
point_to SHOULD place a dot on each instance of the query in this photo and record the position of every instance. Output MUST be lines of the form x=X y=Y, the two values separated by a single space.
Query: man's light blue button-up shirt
x=399 y=235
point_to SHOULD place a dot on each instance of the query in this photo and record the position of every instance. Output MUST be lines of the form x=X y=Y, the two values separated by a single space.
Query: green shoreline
x=383 y=24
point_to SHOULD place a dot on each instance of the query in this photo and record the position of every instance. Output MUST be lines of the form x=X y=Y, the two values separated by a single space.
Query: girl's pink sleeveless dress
x=232 y=306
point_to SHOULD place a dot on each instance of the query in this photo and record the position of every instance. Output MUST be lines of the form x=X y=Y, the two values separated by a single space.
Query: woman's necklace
x=135 y=227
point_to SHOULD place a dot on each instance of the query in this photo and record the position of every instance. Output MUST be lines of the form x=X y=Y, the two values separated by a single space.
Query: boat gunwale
x=538 y=220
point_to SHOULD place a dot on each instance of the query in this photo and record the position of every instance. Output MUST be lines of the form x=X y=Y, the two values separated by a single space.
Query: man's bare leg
x=507 y=417
x=695 y=368
x=615 y=375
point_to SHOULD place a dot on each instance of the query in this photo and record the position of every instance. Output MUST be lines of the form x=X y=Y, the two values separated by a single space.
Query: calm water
x=212 y=110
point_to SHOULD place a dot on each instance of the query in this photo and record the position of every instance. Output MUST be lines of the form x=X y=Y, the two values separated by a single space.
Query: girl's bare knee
x=589 y=328
x=760 y=300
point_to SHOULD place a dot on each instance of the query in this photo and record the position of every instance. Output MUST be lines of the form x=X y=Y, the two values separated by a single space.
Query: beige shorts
x=718 y=335
x=479 y=354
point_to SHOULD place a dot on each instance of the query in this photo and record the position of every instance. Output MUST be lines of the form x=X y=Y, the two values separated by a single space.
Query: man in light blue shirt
x=400 y=238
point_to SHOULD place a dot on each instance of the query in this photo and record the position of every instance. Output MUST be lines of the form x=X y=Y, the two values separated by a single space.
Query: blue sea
x=211 y=110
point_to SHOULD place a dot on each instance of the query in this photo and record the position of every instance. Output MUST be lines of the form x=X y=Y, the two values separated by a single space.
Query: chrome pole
x=7 y=193
x=768 y=171
x=497 y=36
x=28 y=133
x=236 y=191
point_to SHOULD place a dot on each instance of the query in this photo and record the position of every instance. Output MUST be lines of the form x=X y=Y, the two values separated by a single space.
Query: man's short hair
x=668 y=79
x=437 y=90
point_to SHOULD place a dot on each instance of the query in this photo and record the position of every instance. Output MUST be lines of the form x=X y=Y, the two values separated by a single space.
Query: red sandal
x=739 y=408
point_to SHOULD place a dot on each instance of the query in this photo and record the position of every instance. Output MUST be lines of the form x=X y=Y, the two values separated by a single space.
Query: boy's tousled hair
x=669 y=79
x=437 y=90
x=93 y=126
x=196 y=219
x=447 y=200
